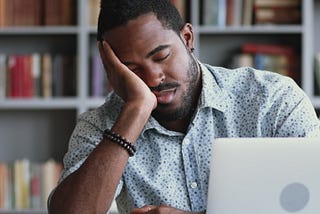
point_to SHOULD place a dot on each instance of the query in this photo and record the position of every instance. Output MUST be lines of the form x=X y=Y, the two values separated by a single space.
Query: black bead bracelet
x=116 y=138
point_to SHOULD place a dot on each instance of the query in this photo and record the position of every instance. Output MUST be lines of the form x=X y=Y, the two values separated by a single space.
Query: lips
x=165 y=96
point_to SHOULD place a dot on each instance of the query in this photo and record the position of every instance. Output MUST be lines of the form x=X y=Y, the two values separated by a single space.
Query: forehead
x=141 y=34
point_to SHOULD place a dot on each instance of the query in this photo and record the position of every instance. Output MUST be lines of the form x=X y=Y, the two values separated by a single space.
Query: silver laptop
x=265 y=176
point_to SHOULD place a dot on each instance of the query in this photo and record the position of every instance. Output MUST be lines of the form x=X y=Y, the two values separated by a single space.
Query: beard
x=186 y=107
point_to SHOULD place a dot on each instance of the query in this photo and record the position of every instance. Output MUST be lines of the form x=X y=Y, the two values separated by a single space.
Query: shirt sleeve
x=296 y=116
x=84 y=139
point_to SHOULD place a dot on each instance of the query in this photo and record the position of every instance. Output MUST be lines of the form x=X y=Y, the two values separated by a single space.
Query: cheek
x=178 y=67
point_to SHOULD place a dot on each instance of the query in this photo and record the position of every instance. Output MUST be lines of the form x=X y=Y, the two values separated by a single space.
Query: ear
x=187 y=36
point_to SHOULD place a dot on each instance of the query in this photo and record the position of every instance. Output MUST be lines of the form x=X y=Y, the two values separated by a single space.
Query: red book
x=27 y=77
x=13 y=67
x=267 y=49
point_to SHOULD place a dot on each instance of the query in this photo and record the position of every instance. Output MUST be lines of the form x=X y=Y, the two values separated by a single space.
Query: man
x=166 y=109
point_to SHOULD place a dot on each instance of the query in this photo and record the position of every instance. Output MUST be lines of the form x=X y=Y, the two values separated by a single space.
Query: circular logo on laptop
x=294 y=197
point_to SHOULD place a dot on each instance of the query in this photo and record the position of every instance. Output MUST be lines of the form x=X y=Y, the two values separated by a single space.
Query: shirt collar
x=212 y=95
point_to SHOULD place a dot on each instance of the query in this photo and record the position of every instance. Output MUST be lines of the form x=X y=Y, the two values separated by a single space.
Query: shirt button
x=194 y=185
x=186 y=141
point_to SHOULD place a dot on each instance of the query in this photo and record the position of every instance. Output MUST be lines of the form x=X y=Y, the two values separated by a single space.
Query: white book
x=222 y=13
x=237 y=12
x=36 y=71
x=247 y=12
x=210 y=12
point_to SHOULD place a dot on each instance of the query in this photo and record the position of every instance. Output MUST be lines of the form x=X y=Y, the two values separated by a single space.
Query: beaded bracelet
x=116 y=138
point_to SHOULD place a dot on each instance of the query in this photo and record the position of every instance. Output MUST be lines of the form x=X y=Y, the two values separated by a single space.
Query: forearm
x=91 y=188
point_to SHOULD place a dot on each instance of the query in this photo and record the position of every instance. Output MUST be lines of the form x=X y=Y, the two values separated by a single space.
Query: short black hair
x=114 y=13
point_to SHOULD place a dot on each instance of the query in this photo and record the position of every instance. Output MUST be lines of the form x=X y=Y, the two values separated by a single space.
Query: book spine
x=317 y=73
x=3 y=76
x=36 y=71
x=46 y=76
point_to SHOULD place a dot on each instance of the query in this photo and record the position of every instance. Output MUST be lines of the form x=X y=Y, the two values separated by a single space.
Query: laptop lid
x=264 y=175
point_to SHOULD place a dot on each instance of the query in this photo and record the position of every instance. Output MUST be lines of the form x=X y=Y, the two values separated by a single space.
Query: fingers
x=106 y=54
x=142 y=210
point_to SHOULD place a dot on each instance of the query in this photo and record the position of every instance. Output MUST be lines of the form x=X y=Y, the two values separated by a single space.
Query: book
x=317 y=73
x=5 y=186
x=67 y=12
x=27 y=82
x=21 y=184
x=3 y=13
x=14 y=73
x=9 y=14
x=242 y=60
x=94 y=9
x=24 y=13
x=57 y=72
x=38 y=15
x=237 y=10
x=247 y=17
x=46 y=76
x=267 y=48
x=50 y=173
x=275 y=63
x=2 y=193
x=3 y=76
x=214 y=12
x=277 y=3
x=52 y=13
x=277 y=15
x=35 y=186
x=230 y=12
x=36 y=71
x=8 y=186
x=59 y=12
x=280 y=58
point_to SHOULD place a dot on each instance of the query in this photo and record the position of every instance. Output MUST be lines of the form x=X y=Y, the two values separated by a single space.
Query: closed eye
x=162 y=58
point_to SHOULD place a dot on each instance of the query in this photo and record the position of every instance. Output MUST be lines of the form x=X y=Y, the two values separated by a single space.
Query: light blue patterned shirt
x=172 y=168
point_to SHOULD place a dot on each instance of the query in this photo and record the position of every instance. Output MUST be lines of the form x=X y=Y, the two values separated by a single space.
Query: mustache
x=164 y=86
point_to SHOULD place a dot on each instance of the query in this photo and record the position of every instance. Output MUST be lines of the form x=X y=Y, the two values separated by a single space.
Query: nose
x=153 y=76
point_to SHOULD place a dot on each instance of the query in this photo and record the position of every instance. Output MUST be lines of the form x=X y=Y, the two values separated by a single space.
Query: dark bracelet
x=116 y=138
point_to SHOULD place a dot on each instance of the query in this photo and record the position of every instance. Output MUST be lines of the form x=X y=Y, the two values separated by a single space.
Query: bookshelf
x=215 y=44
x=39 y=128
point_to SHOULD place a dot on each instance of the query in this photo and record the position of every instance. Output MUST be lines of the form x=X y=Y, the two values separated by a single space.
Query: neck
x=180 y=125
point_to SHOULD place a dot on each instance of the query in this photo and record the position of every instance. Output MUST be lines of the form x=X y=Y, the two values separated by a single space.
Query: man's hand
x=124 y=82
x=163 y=209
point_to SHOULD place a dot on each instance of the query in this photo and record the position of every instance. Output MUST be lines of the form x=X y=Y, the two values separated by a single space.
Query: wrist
x=132 y=119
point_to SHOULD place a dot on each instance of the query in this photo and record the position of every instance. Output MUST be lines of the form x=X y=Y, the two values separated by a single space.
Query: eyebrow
x=157 y=49
x=152 y=52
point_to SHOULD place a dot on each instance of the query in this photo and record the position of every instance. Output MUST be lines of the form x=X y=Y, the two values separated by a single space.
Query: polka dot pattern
x=172 y=168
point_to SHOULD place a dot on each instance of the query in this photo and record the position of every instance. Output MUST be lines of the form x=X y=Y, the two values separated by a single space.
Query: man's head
x=116 y=13
x=159 y=55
